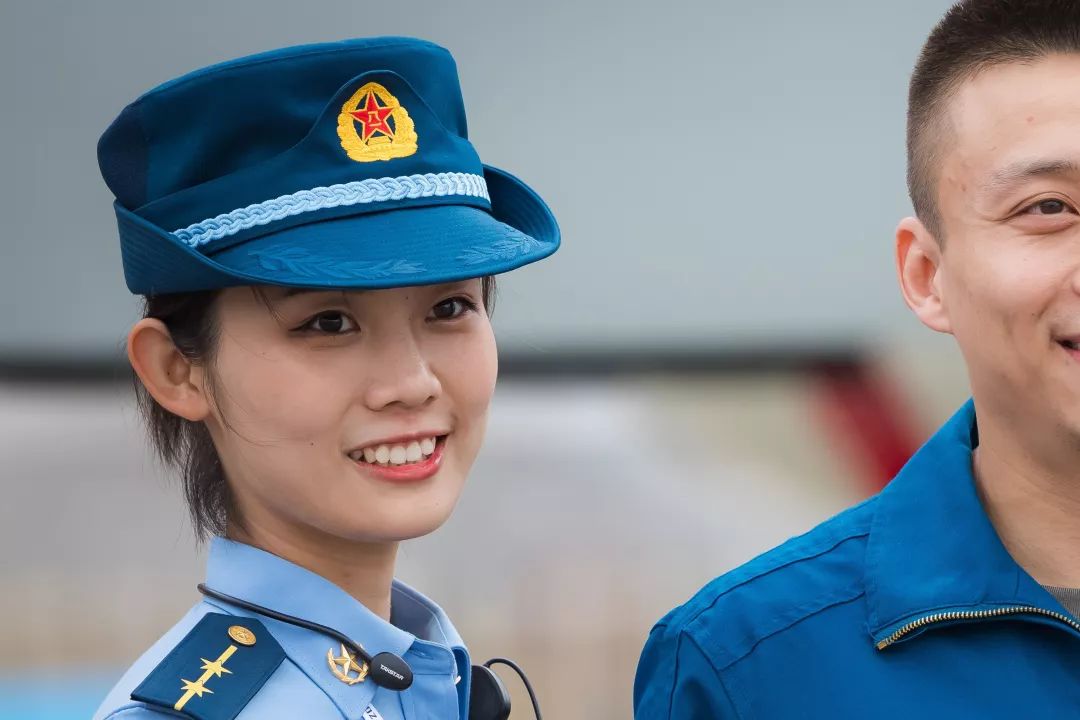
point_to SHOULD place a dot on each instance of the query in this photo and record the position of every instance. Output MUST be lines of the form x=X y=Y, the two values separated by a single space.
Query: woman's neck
x=364 y=570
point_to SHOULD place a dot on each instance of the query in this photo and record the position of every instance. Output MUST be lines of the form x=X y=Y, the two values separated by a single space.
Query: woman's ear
x=169 y=377
x=918 y=266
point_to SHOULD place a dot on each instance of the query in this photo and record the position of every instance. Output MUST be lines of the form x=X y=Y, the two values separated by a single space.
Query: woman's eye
x=330 y=323
x=452 y=308
x=1050 y=206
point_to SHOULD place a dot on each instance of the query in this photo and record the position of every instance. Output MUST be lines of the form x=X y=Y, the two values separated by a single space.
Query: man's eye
x=1050 y=206
x=452 y=308
x=330 y=323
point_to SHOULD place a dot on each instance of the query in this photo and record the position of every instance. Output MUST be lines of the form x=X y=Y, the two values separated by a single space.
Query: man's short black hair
x=974 y=35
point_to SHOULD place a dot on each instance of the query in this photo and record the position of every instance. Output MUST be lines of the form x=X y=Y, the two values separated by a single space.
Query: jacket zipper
x=974 y=615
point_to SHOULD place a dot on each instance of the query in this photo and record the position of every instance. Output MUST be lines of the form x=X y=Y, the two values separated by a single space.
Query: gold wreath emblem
x=373 y=125
x=345 y=663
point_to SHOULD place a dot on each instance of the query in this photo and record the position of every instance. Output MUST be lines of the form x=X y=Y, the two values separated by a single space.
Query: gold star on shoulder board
x=217 y=667
x=195 y=688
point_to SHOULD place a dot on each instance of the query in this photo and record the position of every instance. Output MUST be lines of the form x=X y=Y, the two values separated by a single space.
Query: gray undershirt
x=1068 y=597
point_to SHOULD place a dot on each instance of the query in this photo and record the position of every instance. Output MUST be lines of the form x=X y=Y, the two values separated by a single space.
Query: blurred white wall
x=595 y=507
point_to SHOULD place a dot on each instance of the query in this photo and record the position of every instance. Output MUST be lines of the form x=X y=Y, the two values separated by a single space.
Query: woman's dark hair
x=184 y=445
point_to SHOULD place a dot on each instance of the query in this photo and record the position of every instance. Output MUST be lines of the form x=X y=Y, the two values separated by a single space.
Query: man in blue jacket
x=955 y=592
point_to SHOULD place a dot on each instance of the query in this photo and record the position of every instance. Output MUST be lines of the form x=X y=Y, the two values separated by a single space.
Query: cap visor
x=417 y=246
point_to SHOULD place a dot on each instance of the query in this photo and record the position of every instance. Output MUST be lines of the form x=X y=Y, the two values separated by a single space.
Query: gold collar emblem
x=345 y=664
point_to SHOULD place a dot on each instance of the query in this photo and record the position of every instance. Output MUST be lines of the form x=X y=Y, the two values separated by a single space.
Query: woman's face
x=355 y=415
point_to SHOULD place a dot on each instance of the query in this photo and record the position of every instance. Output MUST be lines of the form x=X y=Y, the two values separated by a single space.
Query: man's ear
x=918 y=266
x=169 y=377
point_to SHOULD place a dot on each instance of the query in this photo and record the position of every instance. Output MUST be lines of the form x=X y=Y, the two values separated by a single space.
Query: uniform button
x=242 y=635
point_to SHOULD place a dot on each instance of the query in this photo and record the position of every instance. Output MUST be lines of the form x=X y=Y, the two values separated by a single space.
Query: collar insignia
x=345 y=664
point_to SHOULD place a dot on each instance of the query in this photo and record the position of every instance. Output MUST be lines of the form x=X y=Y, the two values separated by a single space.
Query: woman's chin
x=394 y=526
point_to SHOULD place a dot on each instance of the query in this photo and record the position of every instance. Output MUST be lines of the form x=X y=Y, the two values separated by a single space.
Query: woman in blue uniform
x=315 y=238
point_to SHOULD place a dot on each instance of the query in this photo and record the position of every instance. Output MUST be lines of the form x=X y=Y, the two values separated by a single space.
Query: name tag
x=370 y=713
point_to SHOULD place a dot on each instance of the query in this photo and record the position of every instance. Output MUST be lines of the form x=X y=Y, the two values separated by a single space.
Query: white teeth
x=382 y=454
x=397 y=455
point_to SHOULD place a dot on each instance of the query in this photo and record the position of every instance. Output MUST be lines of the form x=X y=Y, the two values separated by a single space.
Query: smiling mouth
x=416 y=452
x=1069 y=344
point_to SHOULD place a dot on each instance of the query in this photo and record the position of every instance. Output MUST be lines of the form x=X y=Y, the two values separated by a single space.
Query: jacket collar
x=932 y=547
x=420 y=631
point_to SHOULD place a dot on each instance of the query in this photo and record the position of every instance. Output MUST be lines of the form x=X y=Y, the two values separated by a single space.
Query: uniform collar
x=420 y=632
x=419 y=616
x=932 y=547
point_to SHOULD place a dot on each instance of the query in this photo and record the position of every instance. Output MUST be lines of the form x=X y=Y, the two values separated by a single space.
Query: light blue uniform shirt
x=303 y=685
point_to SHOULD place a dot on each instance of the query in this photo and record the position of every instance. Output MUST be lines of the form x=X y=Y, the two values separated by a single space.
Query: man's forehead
x=1009 y=97
x=1014 y=121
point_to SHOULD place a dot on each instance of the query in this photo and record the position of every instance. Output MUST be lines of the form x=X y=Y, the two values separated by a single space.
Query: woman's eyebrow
x=294 y=291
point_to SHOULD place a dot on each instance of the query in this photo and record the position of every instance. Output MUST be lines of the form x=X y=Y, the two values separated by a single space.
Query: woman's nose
x=401 y=376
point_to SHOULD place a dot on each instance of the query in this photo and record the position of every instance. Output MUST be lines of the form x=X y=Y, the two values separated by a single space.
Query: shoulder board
x=215 y=670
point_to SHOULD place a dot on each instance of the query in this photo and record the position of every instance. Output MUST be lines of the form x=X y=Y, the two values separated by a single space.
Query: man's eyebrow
x=1019 y=172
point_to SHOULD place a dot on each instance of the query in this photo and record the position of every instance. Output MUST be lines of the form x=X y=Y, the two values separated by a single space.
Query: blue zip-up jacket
x=906 y=606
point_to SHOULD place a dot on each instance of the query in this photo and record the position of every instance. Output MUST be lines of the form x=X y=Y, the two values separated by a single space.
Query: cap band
x=361 y=192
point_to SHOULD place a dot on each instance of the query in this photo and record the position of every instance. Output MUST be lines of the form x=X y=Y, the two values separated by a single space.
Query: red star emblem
x=373 y=118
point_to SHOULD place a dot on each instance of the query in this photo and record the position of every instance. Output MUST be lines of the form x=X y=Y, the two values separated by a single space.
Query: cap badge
x=373 y=125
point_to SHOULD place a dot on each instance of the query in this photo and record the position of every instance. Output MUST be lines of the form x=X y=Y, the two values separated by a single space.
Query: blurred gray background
x=685 y=381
